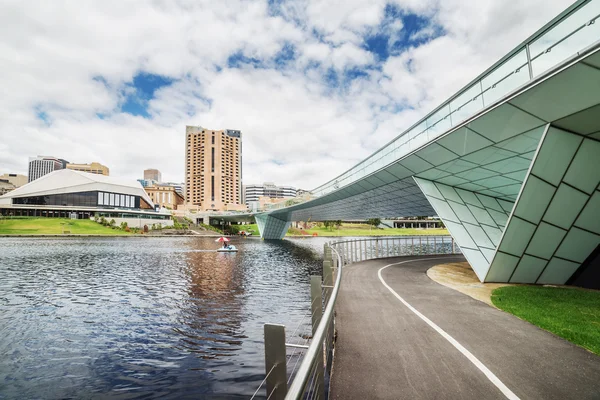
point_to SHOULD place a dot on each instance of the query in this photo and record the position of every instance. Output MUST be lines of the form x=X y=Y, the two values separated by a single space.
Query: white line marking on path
x=489 y=374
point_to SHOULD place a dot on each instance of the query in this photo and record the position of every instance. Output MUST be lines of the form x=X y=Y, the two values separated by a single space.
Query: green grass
x=54 y=226
x=571 y=313
x=356 y=230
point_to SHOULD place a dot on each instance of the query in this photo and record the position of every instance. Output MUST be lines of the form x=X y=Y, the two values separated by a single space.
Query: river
x=146 y=317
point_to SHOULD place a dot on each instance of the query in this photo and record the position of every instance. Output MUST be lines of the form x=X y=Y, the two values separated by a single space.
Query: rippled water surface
x=145 y=317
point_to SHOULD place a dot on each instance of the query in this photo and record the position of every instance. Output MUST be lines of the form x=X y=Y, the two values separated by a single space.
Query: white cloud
x=72 y=61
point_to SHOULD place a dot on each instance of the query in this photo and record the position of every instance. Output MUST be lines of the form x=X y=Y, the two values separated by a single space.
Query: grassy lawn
x=54 y=226
x=357 y=230
x=573 y=314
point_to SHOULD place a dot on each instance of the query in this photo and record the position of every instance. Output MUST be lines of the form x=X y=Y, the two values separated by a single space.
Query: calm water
x=145 y=317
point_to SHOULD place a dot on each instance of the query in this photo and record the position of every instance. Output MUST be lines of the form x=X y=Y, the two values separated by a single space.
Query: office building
x=152 y=174
x=147 y=182
x=93 y=168
x=165 y=196
x=6 y=186
x=213 y=168
x=267 y=189
x=179 y=187
x=17 y=180
x=42 y=165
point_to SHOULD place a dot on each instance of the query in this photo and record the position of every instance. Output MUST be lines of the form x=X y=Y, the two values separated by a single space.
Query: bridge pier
x=271 y=227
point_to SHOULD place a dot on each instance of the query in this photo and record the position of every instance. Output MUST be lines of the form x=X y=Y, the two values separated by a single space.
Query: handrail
x=298 y=386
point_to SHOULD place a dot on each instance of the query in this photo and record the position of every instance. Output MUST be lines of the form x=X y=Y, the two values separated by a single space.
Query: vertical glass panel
x=100 y=198
x=467 y=104
x=554 y=46
x=418 y=136
x=111 y=200
x=106 y=200
x=439 y=122
x=122 y=200
x=511 y=74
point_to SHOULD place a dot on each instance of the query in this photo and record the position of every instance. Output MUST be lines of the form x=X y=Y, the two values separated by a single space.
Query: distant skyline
x=316 y=86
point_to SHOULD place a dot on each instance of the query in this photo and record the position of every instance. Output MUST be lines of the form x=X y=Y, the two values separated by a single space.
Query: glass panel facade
x=82 y=199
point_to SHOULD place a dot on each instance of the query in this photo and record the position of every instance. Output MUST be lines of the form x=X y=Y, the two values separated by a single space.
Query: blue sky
x=315 y=86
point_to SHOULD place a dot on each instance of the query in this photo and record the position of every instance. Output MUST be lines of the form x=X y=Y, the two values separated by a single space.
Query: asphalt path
x=426 y=341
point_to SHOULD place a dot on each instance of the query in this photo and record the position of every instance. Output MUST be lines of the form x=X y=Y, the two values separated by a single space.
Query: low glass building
x=74 y=194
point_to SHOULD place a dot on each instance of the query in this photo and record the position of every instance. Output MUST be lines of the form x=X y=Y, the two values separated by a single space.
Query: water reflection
x=211 y=316
x=144 y=318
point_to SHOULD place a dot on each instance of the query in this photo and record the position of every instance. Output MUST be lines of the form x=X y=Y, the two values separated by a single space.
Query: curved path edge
x=386 y=351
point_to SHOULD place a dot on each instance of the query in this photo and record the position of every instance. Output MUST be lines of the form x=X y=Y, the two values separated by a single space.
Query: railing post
x=327 y=279
x=275 y=361
x=377 y=248
x=317 y=312
x=435 y=245
x=316 y=301
x=453 y=251
x=529 y=66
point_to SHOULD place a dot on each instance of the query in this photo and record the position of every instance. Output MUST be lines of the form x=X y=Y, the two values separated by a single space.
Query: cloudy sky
x=314 y=85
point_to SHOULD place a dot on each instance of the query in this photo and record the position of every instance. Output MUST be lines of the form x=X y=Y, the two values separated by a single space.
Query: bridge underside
x=516 y=185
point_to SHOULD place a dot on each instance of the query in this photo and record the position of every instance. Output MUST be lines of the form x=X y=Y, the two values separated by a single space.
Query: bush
x=210 y=228
x=112 y=222
x=145 y=228
x=123 y=225
x=232 y=229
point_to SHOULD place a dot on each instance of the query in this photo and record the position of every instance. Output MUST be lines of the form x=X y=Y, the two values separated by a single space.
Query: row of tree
x=329 y=225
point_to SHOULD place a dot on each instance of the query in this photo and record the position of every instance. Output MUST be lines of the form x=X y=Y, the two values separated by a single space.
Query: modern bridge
x=510 y=163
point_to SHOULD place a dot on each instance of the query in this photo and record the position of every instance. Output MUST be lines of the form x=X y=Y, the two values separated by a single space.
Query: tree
x=374 y=222
x=328 y=225
x=338 y=223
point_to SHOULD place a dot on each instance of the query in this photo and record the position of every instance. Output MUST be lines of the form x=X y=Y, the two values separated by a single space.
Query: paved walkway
x=385 y=350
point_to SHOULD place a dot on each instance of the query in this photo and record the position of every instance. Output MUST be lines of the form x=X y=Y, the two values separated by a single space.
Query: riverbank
x=349 y=230
x=56 y=227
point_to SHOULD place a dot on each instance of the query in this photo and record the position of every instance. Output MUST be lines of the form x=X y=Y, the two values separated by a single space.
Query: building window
x=212 y=188
x=212 y=159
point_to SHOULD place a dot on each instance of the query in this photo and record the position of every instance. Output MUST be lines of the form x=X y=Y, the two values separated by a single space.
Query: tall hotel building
x=213 y=168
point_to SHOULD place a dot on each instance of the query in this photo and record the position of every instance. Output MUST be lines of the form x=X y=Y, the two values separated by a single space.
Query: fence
x=357 y=250
x=311 y=379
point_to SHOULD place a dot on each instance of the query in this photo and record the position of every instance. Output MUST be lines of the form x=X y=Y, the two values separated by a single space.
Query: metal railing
x=311 y=379
x=357 y=250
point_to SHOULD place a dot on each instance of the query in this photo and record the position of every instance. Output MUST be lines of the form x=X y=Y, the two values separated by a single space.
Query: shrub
x=113 y=222
x=145 y=228
x=123 y=225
